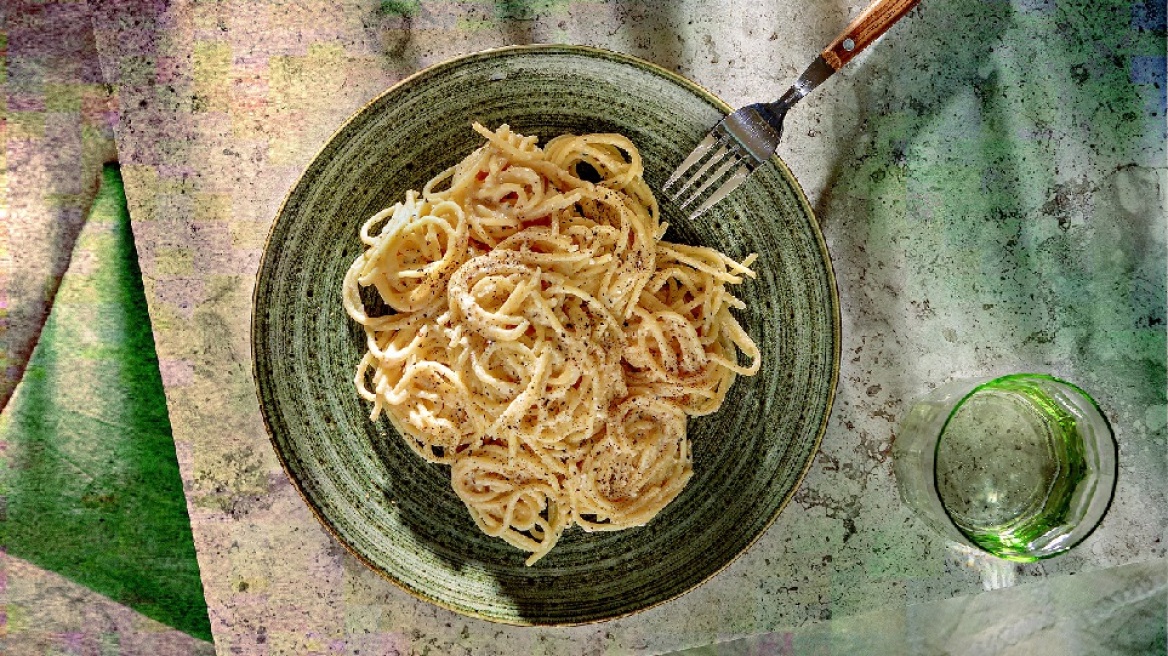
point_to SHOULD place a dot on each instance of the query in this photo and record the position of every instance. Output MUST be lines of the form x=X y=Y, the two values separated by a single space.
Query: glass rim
x=993 y=382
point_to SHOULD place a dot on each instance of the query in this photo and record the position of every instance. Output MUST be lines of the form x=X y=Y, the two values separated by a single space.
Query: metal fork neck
x=812 y=77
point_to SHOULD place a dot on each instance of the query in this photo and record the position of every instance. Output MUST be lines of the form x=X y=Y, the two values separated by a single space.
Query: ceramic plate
x=398 y=513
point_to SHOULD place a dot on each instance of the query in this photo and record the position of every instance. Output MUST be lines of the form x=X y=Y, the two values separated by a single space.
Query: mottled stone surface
x=990 y=178
x=48 y=614
x=55 y=134
x=87 y=463
x=89 y=480
x=1120 y=610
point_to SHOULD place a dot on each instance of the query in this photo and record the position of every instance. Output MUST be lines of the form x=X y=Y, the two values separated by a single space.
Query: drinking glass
x=1022 y=466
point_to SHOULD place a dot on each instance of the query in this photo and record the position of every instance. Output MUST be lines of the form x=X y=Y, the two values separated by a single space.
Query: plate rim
x=590 y=51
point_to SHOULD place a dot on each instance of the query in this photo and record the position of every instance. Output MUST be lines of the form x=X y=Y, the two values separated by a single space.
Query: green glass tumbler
x=1022 y=466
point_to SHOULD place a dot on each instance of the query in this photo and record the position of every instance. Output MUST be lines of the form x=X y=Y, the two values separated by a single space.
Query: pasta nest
x=534 y=331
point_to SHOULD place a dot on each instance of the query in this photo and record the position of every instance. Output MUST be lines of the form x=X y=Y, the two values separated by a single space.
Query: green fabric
x=90 y=478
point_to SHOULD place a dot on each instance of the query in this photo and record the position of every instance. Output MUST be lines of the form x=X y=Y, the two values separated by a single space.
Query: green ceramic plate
x=398 y=513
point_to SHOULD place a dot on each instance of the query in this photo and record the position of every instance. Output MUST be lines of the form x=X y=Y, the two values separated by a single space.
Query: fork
x=742 y=141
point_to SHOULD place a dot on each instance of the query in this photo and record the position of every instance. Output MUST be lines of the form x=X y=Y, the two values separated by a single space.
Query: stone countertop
x=990 y=179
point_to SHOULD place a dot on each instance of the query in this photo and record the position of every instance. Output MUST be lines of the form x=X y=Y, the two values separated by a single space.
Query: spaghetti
x=544 y=340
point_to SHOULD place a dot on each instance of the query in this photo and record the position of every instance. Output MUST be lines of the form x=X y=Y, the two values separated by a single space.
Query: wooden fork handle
x=866 y=28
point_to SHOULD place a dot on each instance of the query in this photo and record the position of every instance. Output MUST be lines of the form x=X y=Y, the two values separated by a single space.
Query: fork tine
x=740 y=174
x=717 y=158
x=696 y=154
x=734 y=160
